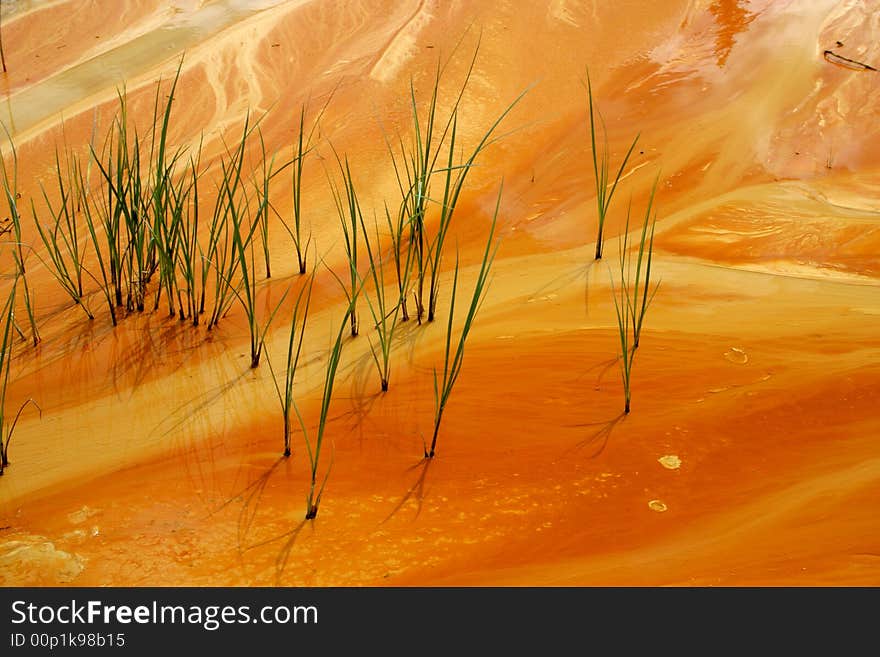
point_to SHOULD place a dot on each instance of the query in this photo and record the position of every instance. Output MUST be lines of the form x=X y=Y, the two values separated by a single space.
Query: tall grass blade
x=303 y=145
x=634 y=294
x=314 y=444
x=417 y=165
x=385 y=312
x=350 y=216
x=453 y=359
x=61 y=237
x=294 y=349
x=601 y=168
x=7 y=429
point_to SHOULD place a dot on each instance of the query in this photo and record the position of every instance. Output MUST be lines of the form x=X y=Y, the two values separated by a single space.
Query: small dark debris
x=839 y=44
x=833 y=58
x=3 y=529
x=429 y=46
x=276 y=45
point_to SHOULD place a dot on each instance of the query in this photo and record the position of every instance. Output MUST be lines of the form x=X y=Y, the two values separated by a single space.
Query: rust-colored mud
x=751 y=454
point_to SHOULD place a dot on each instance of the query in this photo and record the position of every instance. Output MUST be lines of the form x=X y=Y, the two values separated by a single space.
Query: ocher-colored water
x=156 y=460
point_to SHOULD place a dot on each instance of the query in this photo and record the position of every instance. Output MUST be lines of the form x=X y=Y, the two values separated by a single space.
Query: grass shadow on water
x=598 y=435
x=250 y=498
x=283 y=557
x=415 y=492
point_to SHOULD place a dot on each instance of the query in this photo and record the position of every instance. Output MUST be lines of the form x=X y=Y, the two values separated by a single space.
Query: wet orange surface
x=751 y=454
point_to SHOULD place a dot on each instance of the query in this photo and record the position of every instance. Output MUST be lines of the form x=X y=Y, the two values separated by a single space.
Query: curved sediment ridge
x=139 y=50
x=157 y=457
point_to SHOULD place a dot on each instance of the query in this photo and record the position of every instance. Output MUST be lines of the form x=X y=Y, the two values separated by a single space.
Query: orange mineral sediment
x=157 y=459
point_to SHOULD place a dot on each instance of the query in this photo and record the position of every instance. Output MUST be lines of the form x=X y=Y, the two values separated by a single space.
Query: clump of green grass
x=402 y=256
x=455 y=175
x=605 y=187
x=184 y=206
x=237 y=216
x=229 y=212
x=126 y=214
x=81 y=187
x=416 y=166
x=118 y=203
x=166 y=218
x=167 y=233
x=7 y=429
x=10 y=192
x=61 y=237
x=243 y=230
x=453 y=359
x=635 y=293
x=294 y=349
x=413 y=178
x=386 y=312
x=191 y=251
x=140 y=210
